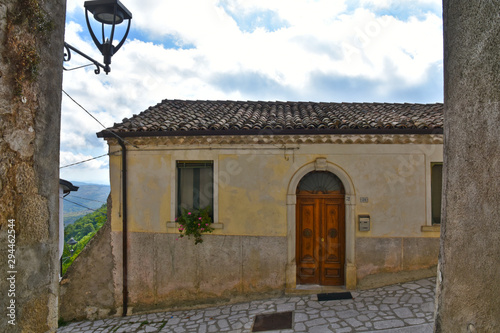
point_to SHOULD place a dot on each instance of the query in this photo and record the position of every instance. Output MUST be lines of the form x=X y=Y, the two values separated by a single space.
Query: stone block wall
x=87 y=290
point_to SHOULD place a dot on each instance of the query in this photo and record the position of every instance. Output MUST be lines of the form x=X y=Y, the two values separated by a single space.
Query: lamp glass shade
x=106 y=15
x=104 y=10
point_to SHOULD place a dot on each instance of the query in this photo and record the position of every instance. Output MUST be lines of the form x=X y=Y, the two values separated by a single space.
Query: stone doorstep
x=311 y=289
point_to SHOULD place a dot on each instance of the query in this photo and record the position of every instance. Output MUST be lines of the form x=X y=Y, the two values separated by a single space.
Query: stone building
x=303 y=195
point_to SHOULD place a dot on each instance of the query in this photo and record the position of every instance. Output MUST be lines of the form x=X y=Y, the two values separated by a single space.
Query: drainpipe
x=124 y=228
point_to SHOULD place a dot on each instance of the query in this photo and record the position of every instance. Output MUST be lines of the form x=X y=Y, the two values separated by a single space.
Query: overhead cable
x=107 y=130
x=80 y=205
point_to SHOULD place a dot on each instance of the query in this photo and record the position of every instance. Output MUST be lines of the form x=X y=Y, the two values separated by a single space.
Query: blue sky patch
x=400 y=10
x=249 y=22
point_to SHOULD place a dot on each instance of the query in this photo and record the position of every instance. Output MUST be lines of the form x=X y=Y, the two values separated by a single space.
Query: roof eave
x=370 y=131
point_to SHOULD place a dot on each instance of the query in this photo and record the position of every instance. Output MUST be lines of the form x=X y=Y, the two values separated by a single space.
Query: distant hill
x=88 y=198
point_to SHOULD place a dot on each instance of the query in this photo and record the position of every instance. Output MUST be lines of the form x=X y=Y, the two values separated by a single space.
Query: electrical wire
x=107 y=130
x=75 y=196
x=84 y=161
x=80 y=205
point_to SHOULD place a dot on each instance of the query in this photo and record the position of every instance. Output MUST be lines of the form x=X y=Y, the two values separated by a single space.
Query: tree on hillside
x=82 y=231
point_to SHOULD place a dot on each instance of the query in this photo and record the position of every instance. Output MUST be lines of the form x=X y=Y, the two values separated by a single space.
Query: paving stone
x=416 y=300
x=386 y=324
x=428 y=307
x=406 y=305
x=239 y=307
x=343 y=330
x=403 y=313
x=285 y=307
x=363 y=318
x=333 y=319
x=300 y=327
x=299 y=317
x=390 y=300
x=173 y=321
x=414 y=321
x=326 y=314
x=212 y=313
x=315 y=322
x=354 y=322
x=340 y=308
x=411 y=286
x=347 y=314
x=320 y=329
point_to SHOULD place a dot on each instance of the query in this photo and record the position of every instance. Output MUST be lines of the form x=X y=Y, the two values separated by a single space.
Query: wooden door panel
x=307 y=247
x=331 y=233
x=320 y=239
x=332 y=265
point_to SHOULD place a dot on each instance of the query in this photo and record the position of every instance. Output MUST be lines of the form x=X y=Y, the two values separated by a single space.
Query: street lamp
x=71 y=243
x=109 y=13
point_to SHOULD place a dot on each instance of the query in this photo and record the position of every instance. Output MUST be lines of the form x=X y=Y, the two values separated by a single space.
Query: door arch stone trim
x=322 y=164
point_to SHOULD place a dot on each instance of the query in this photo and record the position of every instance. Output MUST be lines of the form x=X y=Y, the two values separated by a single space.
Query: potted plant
x=194 y=223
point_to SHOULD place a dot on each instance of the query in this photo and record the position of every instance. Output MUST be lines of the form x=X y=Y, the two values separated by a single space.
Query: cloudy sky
x=285 y=50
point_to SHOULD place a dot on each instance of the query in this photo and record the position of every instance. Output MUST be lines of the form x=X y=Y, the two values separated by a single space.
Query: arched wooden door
x=320 y=247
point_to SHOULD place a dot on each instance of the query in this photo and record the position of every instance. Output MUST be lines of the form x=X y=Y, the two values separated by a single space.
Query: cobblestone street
x=407 y=307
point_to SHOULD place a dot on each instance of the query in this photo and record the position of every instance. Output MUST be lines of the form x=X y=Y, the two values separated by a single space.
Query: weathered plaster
x=469 y=288
x=29 y=161
x=165 y=272
x=376 y=257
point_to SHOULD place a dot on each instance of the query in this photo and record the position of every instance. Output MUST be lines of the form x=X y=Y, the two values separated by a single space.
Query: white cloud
x=73 y=6
x=92 y=171
x=319 y=50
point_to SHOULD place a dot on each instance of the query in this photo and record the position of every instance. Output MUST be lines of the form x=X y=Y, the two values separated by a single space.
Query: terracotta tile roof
x=183 y=117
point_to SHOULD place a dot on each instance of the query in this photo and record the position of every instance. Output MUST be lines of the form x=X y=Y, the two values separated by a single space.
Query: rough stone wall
x=86 y=290
x=31 y=46
x=469 y=288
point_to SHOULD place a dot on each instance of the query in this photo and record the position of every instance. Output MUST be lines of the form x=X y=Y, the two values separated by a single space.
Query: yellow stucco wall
x=252 y=182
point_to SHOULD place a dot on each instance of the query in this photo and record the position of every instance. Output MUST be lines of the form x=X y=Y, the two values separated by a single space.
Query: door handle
x=322 y=239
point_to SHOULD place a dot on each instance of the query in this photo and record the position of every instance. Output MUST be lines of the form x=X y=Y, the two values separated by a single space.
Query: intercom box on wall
x=364 y=222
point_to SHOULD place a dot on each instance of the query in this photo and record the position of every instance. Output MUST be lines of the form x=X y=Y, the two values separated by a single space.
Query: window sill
x=431 y=228
x=213 y=225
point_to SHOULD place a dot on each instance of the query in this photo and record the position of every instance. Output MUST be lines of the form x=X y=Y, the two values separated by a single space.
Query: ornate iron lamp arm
x=67 y=57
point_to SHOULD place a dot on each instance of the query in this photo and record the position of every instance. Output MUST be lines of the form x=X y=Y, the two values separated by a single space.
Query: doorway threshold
x=309 y=289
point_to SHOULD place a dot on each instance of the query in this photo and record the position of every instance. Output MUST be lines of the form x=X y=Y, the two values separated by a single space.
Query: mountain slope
x=88 y=198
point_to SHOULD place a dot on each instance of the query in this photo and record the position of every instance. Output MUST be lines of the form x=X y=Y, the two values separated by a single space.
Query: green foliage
x=82 y=231
x=194 y=223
